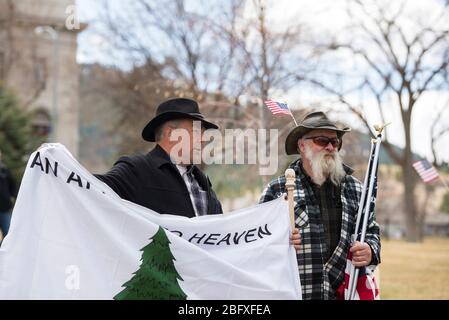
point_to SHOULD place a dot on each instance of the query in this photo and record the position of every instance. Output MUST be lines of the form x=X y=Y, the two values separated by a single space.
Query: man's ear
x=167 y=133
x=300 y=144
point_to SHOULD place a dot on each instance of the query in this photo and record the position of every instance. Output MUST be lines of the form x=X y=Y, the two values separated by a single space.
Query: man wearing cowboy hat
x=165 y=180
x=327 y=198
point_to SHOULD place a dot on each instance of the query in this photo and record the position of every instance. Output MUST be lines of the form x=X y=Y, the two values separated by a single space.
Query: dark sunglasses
x=324 y=141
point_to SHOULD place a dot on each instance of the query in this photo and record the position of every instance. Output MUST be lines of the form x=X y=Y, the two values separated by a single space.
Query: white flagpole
x=367 y=207
x=291 y=113
x=363 y=200
x=355 y=271
x=444 y=182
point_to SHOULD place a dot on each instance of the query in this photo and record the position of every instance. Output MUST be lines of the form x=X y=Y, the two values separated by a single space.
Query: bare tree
x=214 y=53
x=172 y=35
x=169 y=51
x=438 y=130
x=397 y=57
x=270 y=59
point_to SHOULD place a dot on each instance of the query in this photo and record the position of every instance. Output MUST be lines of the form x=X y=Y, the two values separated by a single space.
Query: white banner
x=72 y=237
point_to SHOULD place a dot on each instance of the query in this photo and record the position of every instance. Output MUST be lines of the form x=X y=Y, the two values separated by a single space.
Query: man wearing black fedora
x=165 y=181
x=327 y=198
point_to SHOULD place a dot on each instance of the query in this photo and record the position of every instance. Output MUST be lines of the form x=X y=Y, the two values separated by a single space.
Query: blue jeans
x=5 y=220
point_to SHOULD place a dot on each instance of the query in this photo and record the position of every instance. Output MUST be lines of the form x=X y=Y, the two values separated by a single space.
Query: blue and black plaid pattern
x=199 y=195
x=320 y=278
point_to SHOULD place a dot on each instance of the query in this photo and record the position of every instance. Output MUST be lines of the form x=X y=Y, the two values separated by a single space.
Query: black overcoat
x=154 y=182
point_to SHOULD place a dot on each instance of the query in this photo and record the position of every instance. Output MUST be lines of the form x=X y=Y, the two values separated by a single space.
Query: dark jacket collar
x=159 y=156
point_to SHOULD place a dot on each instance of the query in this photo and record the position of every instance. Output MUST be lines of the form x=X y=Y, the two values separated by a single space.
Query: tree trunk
x=412 y=222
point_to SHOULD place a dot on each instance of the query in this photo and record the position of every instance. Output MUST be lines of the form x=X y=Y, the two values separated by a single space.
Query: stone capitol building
x=38 y=63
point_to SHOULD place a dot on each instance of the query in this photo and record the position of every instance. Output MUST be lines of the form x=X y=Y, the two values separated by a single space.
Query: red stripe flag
x=426 y=171
x=277 y=107
x=366 y=287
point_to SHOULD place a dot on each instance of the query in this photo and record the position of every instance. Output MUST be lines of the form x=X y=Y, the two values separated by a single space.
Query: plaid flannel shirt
x=320 y=278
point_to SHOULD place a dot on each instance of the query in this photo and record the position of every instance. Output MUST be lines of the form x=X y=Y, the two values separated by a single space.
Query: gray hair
x=159 y=131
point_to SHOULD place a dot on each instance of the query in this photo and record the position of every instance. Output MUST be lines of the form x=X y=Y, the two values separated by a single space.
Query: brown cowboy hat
x=178 y=108
x=312 y=121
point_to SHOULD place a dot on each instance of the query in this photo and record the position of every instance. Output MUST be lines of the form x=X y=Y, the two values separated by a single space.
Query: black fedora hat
x=312 y=121
x=178 y=108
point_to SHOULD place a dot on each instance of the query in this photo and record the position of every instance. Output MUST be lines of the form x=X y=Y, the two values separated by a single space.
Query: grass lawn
x=415 y=270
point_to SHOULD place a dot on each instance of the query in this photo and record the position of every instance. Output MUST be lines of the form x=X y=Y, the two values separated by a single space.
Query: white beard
x=325 y=165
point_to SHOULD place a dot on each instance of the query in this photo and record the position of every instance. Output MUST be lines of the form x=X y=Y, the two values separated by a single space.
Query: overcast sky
x=325 y=15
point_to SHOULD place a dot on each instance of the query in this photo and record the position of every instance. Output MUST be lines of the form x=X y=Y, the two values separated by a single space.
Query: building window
x=41 y=123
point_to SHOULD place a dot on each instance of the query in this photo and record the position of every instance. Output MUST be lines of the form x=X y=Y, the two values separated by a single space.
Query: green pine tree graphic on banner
x=157 y=277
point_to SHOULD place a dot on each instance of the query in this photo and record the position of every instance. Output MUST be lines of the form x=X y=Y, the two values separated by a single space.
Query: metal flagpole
x=366 y=211
x=367 y=208
x=359 y=213
x=367 y=203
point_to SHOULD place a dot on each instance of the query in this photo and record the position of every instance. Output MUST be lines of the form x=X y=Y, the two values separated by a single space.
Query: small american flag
x=426 y=171
x=277 y=107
